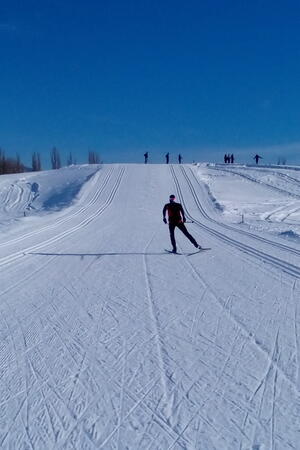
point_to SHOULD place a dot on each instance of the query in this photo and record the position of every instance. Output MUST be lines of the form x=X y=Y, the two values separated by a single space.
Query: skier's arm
x=164 y=214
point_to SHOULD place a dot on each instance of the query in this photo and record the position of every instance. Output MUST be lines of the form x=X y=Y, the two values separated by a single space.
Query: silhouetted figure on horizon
x=176 y=219
x=257 y=158
x=146 y=157
x=179 y=158
x=232 y=158
x=167 y=157
x=225 y=158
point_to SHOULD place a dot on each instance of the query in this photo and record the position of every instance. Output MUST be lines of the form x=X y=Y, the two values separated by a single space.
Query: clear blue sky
x=123 y=77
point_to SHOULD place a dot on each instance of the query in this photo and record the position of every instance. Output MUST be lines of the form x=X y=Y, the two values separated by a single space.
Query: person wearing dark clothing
x=146 y=157
x=177 y=219
x=257 y=158
x=225 y=158
x=167 y=157
x=179 y=158
x=232 y=158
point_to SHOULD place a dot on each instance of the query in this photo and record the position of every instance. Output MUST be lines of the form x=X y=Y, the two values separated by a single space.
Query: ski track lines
x=15 y=197
x=273 y=260
x=282 y=213
x=273 y=359
x=264 y=240
x=83 y=399
x=274 y=368
x=66 y=217
x=242 y=232
x=295 y=182
x=18 y=255
x=250 y=178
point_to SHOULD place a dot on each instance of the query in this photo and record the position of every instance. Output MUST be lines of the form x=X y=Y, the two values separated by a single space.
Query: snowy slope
x=33 y=193
x=109 y=342
x=264 y=198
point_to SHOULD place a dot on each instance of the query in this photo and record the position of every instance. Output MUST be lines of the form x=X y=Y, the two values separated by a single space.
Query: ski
x=188 y=254
x=198 y=251
x=173 y=253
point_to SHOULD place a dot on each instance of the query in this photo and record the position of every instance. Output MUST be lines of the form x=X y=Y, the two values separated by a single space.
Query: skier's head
x=172 y=198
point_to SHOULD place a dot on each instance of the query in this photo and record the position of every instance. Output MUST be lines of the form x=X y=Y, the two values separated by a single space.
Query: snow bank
x=41 y=192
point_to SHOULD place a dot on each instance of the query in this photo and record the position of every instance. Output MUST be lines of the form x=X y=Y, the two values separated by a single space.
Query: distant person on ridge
x=176 y=219
x=225 y=158
x=146 y=157
x=167 y=157
x=257 y=158
x=179 y=158
x=232 y=158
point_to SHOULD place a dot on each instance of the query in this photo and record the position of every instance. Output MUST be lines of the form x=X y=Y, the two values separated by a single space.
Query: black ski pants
x=182 y=228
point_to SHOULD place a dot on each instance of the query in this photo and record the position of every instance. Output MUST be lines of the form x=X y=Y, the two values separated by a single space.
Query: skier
x=232 y=158
x=257 y=158
x=176 y=219
x=179 y=158
x=146 y=157
x=167 y=156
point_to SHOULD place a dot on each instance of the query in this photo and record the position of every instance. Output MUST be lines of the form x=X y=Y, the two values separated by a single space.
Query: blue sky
x=123 y=77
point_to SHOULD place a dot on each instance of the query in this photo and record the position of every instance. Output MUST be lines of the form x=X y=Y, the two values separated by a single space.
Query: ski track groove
x=12 y=423
x=254 y=180
x=139 y=401
x=196 y=314
x=155 y=324
x=82 y=210
x=28 y=276
x=162 y=423
x=241 y=326
x=121 y=409
x=46 y=382
x=288 y=268
x=207 y=401
x=7 y=260
x=11 y=337
x=232 y=228
x=67 y=216
x=293 y=211
x=87 y=351
x=41 y=385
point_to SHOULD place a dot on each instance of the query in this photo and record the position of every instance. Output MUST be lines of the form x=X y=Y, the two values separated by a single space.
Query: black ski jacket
x=175 y=213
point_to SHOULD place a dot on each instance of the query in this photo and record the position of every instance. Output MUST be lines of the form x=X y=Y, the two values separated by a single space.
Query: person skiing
x=232 y=158
x=146 y=157
x=167 y=156
x=179 y=158
x=176 y=218
x=257 y=158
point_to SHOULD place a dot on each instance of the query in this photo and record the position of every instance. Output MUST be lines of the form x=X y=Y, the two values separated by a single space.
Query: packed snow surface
x=108 y=341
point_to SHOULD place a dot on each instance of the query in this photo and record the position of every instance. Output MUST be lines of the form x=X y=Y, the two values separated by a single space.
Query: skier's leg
x=182 y=228
x=172 y=236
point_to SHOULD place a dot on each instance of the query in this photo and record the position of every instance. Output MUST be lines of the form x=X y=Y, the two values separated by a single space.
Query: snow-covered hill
x=30 y=193
x=107 y=341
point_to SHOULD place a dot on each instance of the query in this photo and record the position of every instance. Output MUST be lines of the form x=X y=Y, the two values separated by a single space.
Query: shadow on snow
x=96 y=254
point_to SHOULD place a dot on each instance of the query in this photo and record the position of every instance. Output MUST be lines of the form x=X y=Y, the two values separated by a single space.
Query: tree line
x=10 y=165
x=14 y=165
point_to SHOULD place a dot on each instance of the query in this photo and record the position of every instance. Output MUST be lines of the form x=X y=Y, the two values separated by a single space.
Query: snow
x=107 y=341
x=265 y=198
